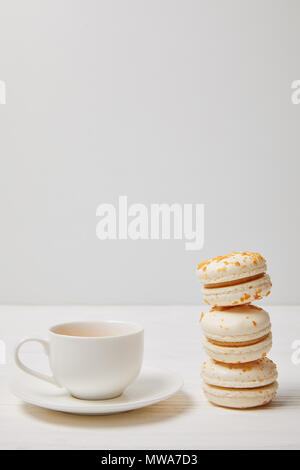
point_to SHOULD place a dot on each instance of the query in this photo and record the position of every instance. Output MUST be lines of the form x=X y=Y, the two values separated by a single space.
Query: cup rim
x=139 y=329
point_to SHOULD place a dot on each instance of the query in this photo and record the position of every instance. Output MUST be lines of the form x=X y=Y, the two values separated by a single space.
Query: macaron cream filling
x=237 y=344
x=234 y=282
x=244 y=390
x=237 y=293
x=239 y=353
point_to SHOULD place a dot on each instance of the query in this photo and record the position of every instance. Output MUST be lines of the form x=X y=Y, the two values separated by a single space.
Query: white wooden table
x=185 y=421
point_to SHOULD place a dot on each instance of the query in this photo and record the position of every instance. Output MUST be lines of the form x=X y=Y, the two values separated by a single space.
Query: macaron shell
x=249 y=375
x=240 y=398
x=238 y=294
x=231 y=267
x=238 y=354
x=238 y=324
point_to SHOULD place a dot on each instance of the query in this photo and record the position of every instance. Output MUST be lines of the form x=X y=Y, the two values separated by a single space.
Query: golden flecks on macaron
x=234 y=279
x=248 y=375
x=239 y=324
x=255 y=257
x=231 y=266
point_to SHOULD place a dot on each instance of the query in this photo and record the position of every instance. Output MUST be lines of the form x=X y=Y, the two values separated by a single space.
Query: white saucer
x=152 y=386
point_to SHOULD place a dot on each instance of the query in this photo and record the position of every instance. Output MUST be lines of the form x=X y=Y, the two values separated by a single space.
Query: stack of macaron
x=237 y=334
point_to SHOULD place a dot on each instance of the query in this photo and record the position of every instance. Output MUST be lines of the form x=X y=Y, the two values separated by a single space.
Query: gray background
x=162 y=101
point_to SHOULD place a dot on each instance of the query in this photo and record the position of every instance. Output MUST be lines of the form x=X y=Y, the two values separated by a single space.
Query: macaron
x=236 y=335
x=234 y=279
x=240 y=385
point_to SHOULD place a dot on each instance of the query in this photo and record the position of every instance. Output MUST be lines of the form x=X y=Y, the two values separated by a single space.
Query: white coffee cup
x=92 y=361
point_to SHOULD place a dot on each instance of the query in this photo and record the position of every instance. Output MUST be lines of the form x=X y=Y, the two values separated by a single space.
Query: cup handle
x=28 y=370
